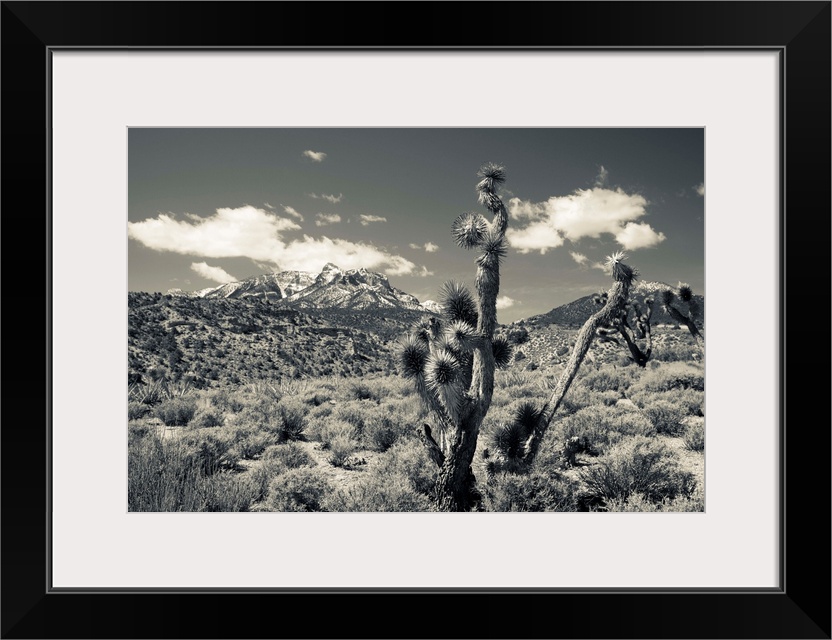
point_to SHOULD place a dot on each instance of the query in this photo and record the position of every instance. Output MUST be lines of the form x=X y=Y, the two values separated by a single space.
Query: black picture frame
x=799 y=31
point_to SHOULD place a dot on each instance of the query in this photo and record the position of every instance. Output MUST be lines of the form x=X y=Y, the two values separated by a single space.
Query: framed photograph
x=259 y=192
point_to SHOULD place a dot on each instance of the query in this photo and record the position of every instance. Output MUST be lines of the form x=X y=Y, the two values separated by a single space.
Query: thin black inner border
x=781 y=50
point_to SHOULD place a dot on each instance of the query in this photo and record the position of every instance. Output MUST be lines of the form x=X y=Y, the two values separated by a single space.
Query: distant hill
x=575 y=313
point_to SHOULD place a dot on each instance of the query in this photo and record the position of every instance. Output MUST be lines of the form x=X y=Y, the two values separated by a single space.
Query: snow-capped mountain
x=332 y=288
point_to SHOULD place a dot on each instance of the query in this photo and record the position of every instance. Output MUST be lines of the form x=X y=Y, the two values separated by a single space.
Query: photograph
x=416 y=319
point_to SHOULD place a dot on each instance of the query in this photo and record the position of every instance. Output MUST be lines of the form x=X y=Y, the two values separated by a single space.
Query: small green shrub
x=301 y=489
x=361 y=391
x=672 y=375
x=596 y=428
x=292 y=421
x=176 y=412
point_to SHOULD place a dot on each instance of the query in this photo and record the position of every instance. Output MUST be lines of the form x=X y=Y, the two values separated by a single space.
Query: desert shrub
x=352 y=413
x=175 y=412
x=690 y=401
x=209 y=451
x=605 y=379
x=292 y=420
x=207 y=416
x=579 y=397
x=341 y=446
x=638 y=503
x=290 y=455
x=408 y=459
x=381 y=434
x=136 y=410
x=672 y=375
x=226 y=401
x=300 y=489
x=674 y=351
x=376 y=493
x=170 y=475
x=248 y=442
x=361 y=391
x=535 y=491
x=596 y=428
x=665 y=416
x=137 y=430
x=638 y=465
x=694 y=435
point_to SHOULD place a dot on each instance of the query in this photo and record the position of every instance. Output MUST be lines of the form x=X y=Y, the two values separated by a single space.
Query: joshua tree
x=633 y=324
x=673 y=302
x=452 y=359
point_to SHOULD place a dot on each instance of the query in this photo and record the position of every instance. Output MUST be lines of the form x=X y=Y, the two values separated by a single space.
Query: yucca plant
x=452 y=359
x=683 y=307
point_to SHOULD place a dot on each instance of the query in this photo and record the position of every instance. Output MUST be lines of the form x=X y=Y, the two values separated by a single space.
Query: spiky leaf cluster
x=501 y=348
x=458 y=303
x=684 y=291
x=494 y=248
x=528 y=415
x=491 y=177
x=461 y=336
x=426 y=330
x=510 y=439
x=667 y=298
x=413 y=355
x=469 y=229
x=621 y=272
x=441 y=369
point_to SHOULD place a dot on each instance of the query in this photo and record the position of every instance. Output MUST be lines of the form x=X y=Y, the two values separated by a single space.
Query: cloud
x=365 y=220
x=314 y=156
x=323 y=219
x=330 y=198
x=217 y=274
x=244 y=231
x=257 y=234
x=586 y=213
x=504 y=302
x=638 y=236
x=428 y=247
x=579 y=257
x=268 y=206
x=601 y=178
x=291 y=211
x=700 y=189
x=423 y=272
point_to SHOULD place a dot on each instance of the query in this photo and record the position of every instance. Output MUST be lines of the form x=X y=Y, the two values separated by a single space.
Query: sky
x=209 y=206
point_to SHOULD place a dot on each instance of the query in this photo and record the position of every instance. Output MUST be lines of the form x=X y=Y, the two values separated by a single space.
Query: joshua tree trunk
x=616 y=300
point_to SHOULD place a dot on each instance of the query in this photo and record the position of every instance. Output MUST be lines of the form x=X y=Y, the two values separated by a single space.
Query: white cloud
x=579 y=257
x=504 y=302
x=365 y=219
x=586 y=213
x=429 y=247
x=217 y=274
x=638 y=235
x=291 y=211
x=700 y=189
x=256 y=234
x=328 y=197
x=323 y=219
x=601 y=178
x=314 y=156
x=268 y=206
x=244 y=231
x=423 y=272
